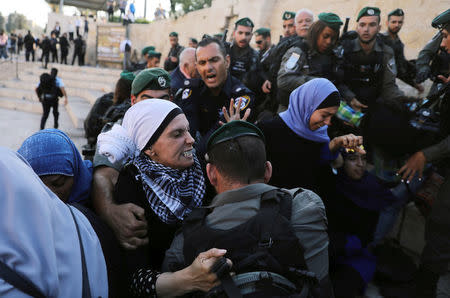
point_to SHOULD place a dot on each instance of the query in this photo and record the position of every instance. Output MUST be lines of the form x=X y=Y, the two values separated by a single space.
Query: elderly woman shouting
x=162 y=175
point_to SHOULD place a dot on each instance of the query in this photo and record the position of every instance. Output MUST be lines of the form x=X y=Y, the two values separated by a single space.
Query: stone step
x=20 y=105
x=73 y=68
x=13 y=93
x=16 y=90
x=79 y=109
x=26 y=123
x=74 y=109
x=29 y=82
x=74 y=75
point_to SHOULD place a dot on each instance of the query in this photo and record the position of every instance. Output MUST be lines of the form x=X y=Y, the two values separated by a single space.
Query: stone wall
x=415 y=33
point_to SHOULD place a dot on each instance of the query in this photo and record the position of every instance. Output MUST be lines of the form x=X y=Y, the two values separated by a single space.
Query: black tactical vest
x=363 y=75
x=320 y=65
x=440 y=65
x=265 y=242
x=239 y=66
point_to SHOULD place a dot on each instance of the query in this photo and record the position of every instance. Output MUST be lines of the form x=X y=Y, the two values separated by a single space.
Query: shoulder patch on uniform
x=292 y=61
x=186 y=82
x=244 y=103
x=392 y=66
x=186 y=93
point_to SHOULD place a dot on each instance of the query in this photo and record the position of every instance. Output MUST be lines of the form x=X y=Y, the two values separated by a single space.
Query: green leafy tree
x=16 y=21
x=189 y=5
x=2 y=22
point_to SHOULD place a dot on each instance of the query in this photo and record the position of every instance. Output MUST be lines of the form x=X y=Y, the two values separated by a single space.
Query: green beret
x=150 y=79
x=441 y=20
x=152 y=54
x=397 y=12
x=233 y=130
x=244 y=22
x=146 y=49
x=263 y=31
x=173 y=34
x=194 y=40
x=218 y=35
x=288 y=15
x=127 y=75
x=332 y=20
x=368 y=12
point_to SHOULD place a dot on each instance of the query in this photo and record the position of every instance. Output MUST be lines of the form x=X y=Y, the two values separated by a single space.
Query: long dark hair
x=315 y=30
x=122 y=91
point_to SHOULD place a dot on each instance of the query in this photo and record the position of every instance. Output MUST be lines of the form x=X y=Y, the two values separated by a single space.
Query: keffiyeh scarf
x=171 y=193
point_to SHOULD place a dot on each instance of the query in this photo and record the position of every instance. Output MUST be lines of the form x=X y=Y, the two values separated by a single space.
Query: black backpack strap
x=86 y=291
x=222 y=270
x=18 y=281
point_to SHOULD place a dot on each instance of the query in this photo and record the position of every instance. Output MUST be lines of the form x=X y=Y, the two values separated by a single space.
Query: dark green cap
x=193 y=40
x=173 y=34
x=152 y=54
x=146 y=49
x=368 y=12
x=150 y=79
x=233 y=130
x=441 y=20
x=331 y=19
x=244 y=22
x=218 y=35
x=288 y=15
x=127 y=75
x=397 y=12
x=263 y=31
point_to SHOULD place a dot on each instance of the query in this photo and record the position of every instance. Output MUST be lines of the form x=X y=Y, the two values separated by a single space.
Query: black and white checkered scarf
x=171 y=193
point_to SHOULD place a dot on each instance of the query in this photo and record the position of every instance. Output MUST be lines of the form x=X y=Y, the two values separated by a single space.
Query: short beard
x=368 y=41
x=392 y=32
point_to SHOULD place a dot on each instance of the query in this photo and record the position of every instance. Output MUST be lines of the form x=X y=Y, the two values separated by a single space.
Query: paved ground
x=16 y=126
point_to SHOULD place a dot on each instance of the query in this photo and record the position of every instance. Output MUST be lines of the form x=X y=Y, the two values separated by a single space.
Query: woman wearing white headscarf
x=39 y=244
x=163 y=176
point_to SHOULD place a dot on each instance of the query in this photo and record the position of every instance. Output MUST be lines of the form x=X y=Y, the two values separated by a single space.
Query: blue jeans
x=389 y=214
x=3 y=53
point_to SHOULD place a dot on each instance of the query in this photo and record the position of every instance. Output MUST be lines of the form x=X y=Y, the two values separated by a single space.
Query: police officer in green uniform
x=288 y=23
x=144 y=57
x=432 y=61
x=203 y=105
x=405 y=69
x=153 y=59
x=369 y=64
x=263 y=42
x=173 y=58
x=311 y=59
x=243 y=57
x=436 y=253
x=265 y=99
x=302 y=20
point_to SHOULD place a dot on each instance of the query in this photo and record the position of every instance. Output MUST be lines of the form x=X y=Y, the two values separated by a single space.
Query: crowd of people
x=270 y=173
x=55 y=48
x=127 y=10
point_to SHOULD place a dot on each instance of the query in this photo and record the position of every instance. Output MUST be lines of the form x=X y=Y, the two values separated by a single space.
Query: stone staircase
x=20 y=106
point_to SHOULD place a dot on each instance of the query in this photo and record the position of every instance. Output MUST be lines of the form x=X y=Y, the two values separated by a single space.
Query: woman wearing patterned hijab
x=297 y=139
x=162 y=175
x=56 y=160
